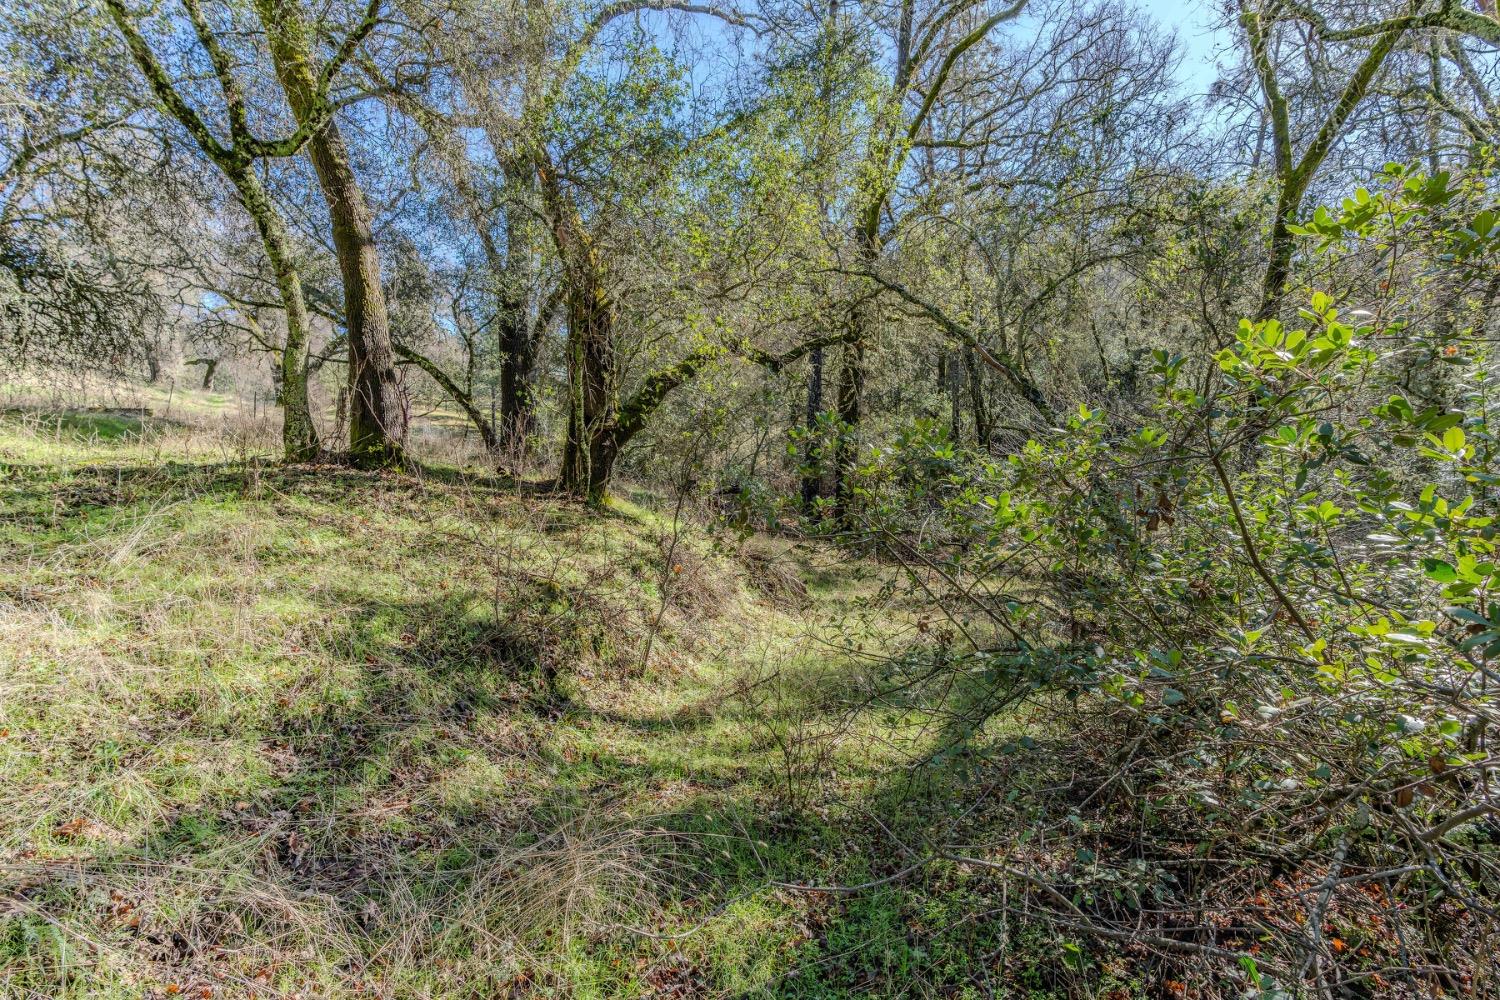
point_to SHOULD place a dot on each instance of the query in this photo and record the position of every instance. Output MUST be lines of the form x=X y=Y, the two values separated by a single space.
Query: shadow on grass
x=431 y=821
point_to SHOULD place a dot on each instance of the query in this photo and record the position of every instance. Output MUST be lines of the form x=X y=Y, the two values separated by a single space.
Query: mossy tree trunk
x=591 y=445
x=378 y=414
x=299 y=435
x=235 y=158
x=521 y=330
x=601 y=447
x=519 y=343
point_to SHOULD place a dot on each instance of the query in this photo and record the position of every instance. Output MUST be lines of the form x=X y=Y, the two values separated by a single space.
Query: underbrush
x=1210 y=690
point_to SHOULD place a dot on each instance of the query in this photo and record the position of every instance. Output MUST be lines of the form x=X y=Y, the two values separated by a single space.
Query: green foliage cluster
x=1271 y=603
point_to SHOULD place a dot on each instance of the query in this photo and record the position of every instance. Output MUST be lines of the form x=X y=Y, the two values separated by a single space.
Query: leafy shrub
x=1268 y=610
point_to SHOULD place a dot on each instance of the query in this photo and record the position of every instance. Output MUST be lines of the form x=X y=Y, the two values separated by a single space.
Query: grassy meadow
x=287 y=732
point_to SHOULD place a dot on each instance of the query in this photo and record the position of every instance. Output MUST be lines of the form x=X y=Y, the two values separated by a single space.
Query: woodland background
x=656 y=498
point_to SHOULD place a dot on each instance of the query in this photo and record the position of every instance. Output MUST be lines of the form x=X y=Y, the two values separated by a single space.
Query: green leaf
x=1439 y=570
x=1406 y=637
x=1482 y=639
x=1251 y=969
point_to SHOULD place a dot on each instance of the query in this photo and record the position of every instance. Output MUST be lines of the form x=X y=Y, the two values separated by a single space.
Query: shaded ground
x=311 y=732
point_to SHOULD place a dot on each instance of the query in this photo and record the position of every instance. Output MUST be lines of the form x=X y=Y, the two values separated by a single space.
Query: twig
x=1250 y=550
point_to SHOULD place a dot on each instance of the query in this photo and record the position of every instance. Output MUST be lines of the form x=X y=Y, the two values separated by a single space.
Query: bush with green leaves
x=1270 y=608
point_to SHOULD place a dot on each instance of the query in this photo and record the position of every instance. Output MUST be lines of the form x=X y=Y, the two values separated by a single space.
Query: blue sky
x=1200 y=41
x=1197 y=38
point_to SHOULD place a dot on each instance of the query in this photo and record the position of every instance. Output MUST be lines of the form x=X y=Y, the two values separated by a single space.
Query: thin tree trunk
x=299 y=436
x=983 y=428
x=852 y=376
x=948 y=381
x=812 y=485
x=851 y=394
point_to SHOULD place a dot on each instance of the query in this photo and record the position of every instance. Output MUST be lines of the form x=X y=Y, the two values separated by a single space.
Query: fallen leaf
x=71 y=828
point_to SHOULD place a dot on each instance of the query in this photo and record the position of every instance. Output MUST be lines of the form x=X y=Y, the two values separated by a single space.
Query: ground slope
x=307 y=732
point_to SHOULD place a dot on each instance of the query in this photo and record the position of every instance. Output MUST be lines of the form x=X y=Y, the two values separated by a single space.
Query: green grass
x=313 y=732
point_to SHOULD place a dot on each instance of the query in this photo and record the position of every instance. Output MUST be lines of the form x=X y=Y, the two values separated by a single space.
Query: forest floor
x=277 y=731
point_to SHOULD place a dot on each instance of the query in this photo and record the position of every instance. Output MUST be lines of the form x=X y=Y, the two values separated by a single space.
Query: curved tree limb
x=999 y=363
x=635 y=411
x=1449 y=14
x=454 y=391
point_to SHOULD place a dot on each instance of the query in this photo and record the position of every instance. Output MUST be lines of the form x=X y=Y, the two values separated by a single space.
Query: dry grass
x=308 y=732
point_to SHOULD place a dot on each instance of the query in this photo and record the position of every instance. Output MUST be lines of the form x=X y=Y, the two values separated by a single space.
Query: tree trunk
x=851 y=395
x=520 y=338
x=299 y=436
x=948 y=380
x=210 y=366
x=851 y=387
x=982 y=427
x=852 y=373
x=812 y=485
x=592 y=443
x=377 y=419
x=510 y=271
x=518 y=354
x=590 y=450
x=1278 y=256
